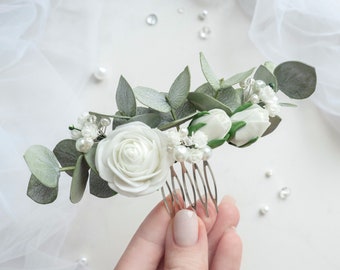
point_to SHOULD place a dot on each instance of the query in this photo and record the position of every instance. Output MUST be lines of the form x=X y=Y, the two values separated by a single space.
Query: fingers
x=228 y=217
x=146 y=248
x=186 y=244
x=228 y=252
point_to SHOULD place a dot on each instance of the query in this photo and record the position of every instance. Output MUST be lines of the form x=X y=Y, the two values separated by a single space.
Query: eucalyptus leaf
x=79 y=180
x=43 y=164
x=90 y=157
x=262 y=73
x=203 y=102
x=184 y=110
x=285 y=104
x=117 y=121
x=99 y=187
x=208 y=73
x=274 y=122
x=125 y=98
x=231 y=97
x=297 y=80
x=152 y=98
x=67 y=154
x=179 y=89
x=207 y=89
x=237 y=78
x=41 y=193
x=151 y=119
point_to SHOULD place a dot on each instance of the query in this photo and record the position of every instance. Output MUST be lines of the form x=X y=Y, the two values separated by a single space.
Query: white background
x=301 y=232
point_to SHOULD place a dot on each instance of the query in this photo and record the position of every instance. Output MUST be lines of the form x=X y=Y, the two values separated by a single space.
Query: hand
x=189 y=241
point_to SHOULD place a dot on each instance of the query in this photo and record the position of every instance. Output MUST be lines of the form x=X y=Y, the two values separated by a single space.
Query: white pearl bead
x=264 y=210
x=100 y=74
x=180 y=153
x=207 y=152
x=83 y=261
x=84 y=144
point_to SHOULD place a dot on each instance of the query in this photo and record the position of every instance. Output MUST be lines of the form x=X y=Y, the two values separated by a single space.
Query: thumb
x=186 y=244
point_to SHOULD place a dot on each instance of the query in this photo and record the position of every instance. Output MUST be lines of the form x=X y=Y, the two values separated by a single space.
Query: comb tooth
x=184 y=192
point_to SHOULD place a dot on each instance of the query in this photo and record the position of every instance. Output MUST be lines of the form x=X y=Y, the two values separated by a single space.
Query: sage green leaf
x=237 y=78
x=184 y=110
x=125 y=98
x=99 y=187
x=262 y=73
x=176 y=123
x=270 y=66
x=67 y=154
x=208 y=73
x=179 y=89
x=216 y=143
x=90 y=157
x=207 y=89
x=203 y=102
x=143 y=110
x=151 y=119
x=297 y=80
x=152 y=98
x=274 y=122
x=231 y=97
x=41 y=193
x=79 y=180
x=43 y=164
x=285 y=104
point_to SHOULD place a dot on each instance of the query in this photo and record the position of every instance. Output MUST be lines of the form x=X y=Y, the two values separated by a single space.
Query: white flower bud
x=217 y=124
x=173 y=138
x=257 y=122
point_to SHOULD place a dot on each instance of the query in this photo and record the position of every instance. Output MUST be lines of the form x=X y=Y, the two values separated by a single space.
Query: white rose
x=133 y=159
x=217 y=124
x=257 y=122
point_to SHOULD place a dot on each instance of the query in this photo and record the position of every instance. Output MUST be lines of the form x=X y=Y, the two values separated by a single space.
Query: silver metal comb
x=186 y=187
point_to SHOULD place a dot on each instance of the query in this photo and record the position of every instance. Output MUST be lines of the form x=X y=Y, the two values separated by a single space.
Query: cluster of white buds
x=192 y=148
x=87 y=131
x=258 y=91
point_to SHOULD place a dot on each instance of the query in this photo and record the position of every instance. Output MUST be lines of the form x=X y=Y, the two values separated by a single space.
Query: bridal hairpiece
x=130 y=152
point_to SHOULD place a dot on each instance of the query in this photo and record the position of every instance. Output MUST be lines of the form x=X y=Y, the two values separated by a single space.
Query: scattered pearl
x=83 y=261
x=100 y=74
x=284 y=193
x=204 y=32
x=203 y=15
x=151 y=19
x=269 y=173
x=264 y=210
x=180 y=10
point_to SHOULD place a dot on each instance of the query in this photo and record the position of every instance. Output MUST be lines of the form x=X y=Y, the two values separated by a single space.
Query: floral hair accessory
x=144 y=148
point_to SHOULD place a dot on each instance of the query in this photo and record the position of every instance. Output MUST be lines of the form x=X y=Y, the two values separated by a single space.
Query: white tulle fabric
x=304 y=30
x=47 y=51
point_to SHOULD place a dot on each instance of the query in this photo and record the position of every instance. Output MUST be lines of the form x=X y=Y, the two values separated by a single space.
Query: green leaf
x=216 y=143
x=79 y=180
x=179 y=89
x=184 y=110
x=274 y=122
x=237 y=78
x=90 y=157
x=151 y=119
x=152 y=98
x=204 y=102
x=40 y=193
x=262 y=73
x=116 y=121
x=285 y=104
x=67 y=154
x=125 y=98
x=194 y=128
x=43 y=164
x=207 y=89
x=243 y=107
x=235 y=126
x=208 y=73
x=99 y=187
x=297 y=80
x=231 y=97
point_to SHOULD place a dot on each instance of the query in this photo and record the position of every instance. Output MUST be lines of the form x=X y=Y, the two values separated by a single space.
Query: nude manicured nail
x=185 y=228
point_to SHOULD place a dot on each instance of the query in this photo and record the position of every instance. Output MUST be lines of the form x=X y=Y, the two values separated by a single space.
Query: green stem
x=69 y=168
x=111 y=116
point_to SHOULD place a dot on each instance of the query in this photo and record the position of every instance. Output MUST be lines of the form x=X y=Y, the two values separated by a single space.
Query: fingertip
x=229 y=211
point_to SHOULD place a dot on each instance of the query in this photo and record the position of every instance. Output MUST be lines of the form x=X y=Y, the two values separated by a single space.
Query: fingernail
x=185 y=228
x=228 y=199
